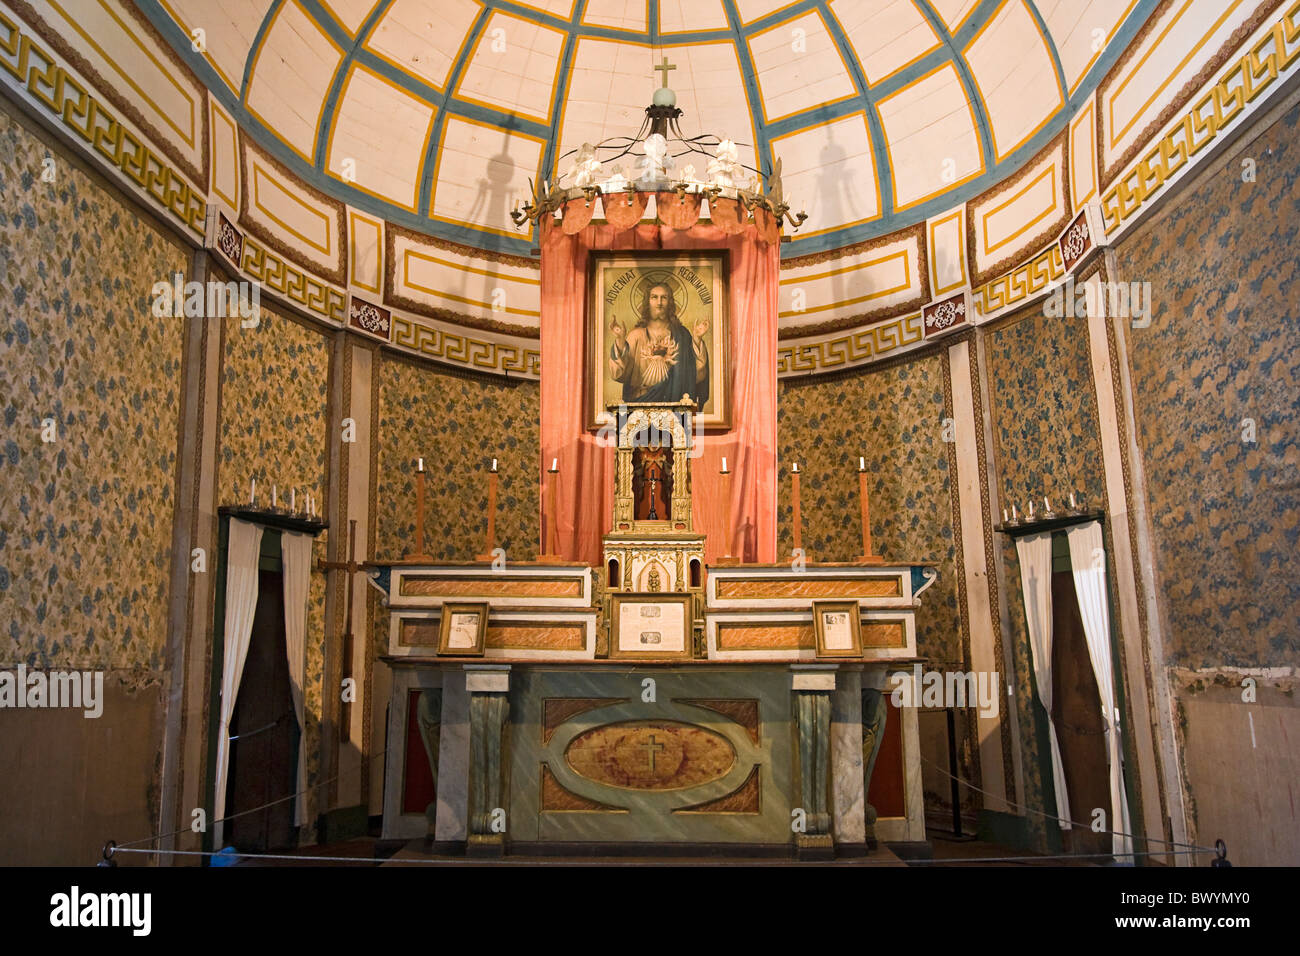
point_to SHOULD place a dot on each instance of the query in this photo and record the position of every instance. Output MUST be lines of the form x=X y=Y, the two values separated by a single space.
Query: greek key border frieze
x=462 y=348
x=1216 y=109
x=851 y=348
x=72 y=105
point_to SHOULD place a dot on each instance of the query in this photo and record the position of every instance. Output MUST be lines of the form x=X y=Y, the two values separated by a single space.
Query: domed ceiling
x=435 y=114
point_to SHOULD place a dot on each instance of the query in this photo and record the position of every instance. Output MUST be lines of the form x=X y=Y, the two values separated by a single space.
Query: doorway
x=264 y=733
x=1076 y=712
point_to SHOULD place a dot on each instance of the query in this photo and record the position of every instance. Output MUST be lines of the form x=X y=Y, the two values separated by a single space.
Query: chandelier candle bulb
x=1014 y=515
x=1031 y=508
x=724 y=464
x=252 y=492
x=275 y=499
x=293 y=500
x=494 y=466
x=1072 y=502
x=1047 y=504
x=862 y=464
x=420 y=465
x=555 y=464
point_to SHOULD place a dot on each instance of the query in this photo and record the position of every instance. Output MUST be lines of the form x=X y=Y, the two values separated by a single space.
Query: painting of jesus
x=660 y=325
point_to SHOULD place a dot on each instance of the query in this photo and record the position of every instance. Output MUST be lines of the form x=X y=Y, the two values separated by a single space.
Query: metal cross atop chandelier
x=733 y=190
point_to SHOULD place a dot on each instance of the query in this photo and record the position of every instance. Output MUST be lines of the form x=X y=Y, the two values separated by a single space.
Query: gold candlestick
x=491 y=514
x=868 y=555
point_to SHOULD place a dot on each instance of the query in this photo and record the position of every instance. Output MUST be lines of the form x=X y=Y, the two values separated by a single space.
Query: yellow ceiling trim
x=796 y=280
x=218 y=113
x=424 y=146
x=257 y=202
x=884 y=131
x=961 y=252
x=187 y=138
x=984 y=218
x=1116 y=135
x=353 y=216
x=407 y=254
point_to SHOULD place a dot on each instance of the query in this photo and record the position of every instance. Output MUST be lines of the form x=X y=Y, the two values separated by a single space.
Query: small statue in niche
x=653 y=583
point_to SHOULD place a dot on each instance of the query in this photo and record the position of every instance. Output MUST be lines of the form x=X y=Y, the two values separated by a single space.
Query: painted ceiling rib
x=762 y=144
x=1051 y=49
x=258 y=39
x=983 y=128
x=884 y=170
x=345 y=65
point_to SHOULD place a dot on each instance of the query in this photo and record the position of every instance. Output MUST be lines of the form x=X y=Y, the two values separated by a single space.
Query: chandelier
x=661 y=160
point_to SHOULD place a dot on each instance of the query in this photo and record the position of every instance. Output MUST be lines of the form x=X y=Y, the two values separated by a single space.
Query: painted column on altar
x=569 y=327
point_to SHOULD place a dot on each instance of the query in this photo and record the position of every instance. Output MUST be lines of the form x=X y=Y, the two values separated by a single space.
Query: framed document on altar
x=463 y=630
x=838 y=630
x=657 y=330
x=650 y=626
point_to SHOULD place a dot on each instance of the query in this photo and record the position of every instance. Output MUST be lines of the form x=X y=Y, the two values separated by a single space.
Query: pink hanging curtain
x=585 y=491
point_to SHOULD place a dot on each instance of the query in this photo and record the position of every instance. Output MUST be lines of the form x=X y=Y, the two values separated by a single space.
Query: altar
x=657 y=676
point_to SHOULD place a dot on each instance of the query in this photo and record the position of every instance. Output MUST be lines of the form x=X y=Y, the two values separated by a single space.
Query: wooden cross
x=664 y=67
x=652 y=749
x=351 y=566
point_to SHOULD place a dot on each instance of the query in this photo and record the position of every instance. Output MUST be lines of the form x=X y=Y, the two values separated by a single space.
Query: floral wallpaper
x=457 y=424
x=892 y=417
x=1046 y=436
x=274 y=420
x=90 y=386
x=1216 y=384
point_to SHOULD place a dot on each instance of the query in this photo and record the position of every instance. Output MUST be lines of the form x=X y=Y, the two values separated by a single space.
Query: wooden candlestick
x=727 y=558
x=798 y=514
x=491 y=518
x=422 y=556
x=551 y=538
x=868 y=556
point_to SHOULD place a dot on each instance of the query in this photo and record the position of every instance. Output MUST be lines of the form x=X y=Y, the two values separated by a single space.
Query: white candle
x=862 y=463
x=1031 y=507
x=494 y=464
x=1072 y=504
x=420 y=466
x=252 y=494
x=1014 y=515
x=293 y=499
x=796 y=468
x=555 y=464
x=1047 y=503
x=724 y=463
x=274 y=499
x=1004 y=515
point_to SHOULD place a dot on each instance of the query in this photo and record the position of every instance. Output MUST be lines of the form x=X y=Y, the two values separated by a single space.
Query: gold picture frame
x=838 y=627
x=458 y=637
x=640 y=630
x=652 y=366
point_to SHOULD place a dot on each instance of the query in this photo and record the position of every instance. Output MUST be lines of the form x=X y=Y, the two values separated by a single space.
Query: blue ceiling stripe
x=557 y=101
x=762 y=144
x=884 y=170
x=537 y=16
x=345 y=65
x=967 y=80
x=429 y=163
x=337 y=31
x=981 y=14
x=1051 y=49
x=473 y=236
x=768 y=19
x=258 y=39
x=652 y=20
x=1114 y=50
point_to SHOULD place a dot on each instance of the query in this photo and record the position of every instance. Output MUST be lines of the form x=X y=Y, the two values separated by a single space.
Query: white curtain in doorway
x=244 y=546
x=1035 y=552
x=295 y=552
x=1088 y=561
